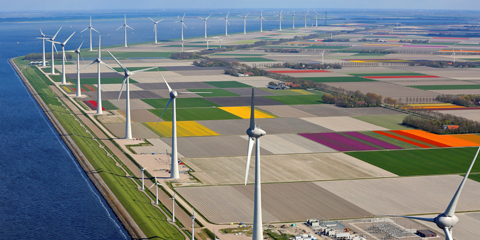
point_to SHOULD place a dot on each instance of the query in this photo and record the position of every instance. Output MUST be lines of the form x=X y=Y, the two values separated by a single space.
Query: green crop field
x=446 y=87
x=255 y=59
x=298 y=99
x=214 y=92
x=152 y=222
x=281 y=92
x=181 y=103
x=195 y=114
x=391 y=140
x=338 y=79
x=125 y=55
x=393 y=122
x=421 y=162
x=108 y=105
x=48 y=70
x=228 y=84
x=131 y=69
x=475 y=177
x=58 y=78
x=387 y=74
x=117 y=80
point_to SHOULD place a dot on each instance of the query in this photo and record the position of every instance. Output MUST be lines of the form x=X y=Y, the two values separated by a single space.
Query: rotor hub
x=443 y=221
x=256 y=132
x=173 y=94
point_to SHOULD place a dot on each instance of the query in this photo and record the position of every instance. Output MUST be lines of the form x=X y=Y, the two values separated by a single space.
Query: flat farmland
x=426 y=82
x=181 y=103
x=393 y=122
x=213 y=92
x=284 y=202
x=228 y=84
x=143 y=115
x=173 y=85
x=241 y=101
x=338 y=79
x=469 y=114
x=385 y=89
x=134 y=104
x=447 y=87
x=194 y=114
x=286 y=111
x=407 y=195
x=138 y=130
x=133 y=95
x=290 y=144
x=298 y=99
x=422 y=161
x=281 y=168
x=328 y=110
x=457 y=92
x=343 y=124
x=248 y=92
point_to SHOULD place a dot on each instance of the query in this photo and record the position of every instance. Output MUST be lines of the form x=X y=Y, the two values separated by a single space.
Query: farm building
x=426 y=233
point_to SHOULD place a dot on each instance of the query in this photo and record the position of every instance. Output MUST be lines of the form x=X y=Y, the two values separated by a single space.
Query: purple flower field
x=338 y=142
x=375 y=141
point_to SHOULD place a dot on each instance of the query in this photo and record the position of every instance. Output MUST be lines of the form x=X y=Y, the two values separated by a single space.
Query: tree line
x=462 y=100
x=432 y=121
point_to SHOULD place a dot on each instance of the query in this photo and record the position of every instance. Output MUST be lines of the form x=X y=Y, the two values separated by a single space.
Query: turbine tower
x=293 y=19
x=205 y=20
x=64 y=78
x=143 y=178
x=193 y=224
x=220 y=41
x=79 y=55
x=226 y=23
x=183 y=24
x=43 y=39
x=316 y=18
x=155 y=27
x=261 y=20
x=280 y=18
x=306 y=13
x=173 y=207
x=156 y=184
x=173 y=95
x=52 y=40
x=99 y=62
x=323 y=53
x=254 y=134
x=244 y=23
x=126 y=79
x=447 y=220
x=125 y=26
x=91 y=28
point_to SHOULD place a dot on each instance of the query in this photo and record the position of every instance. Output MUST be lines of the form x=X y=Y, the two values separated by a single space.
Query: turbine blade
x=124 y=68
x=184 y=25
x=55 y=48
x=83 y=30
x=41 y=32
x=418 y=218
x=168 y=103
x=227 y=15
x=54 y=36
x=169 y=88
x=183 y=16
x=152 y=185
x=142 y=70
x=95 y=30
x=252 y=114
x=249 y=156
x=80 y=46
x=450 y=211
x=129 y=27
x=104 y=64
x=208 y=17
x=119 y=28
x=151 y=19
x=121 y=89
x=448 y=234
x=87 y=65
x=68 y=38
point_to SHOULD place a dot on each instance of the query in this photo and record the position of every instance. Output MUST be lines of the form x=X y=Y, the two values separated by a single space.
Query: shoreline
x=123 y=216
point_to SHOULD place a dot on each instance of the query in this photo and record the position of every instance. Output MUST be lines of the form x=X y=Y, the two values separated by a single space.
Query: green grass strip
x=109 y=105
x=125 y=55
x=421 y=162
x=446 y=87
x=233 y=54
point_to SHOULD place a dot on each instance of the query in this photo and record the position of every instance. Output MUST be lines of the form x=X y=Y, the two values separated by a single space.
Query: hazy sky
x=55 y=5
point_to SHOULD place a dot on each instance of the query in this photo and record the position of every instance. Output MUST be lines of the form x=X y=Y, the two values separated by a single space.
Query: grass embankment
x=150 y=219
x=421 y=162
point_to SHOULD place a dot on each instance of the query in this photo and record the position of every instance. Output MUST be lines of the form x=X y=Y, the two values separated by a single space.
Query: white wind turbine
x=52 y=40
x=183 y=24
x=205 y=20
x=208 y=40
x=261 y=20
x=193 y=224
x=99 y=62
x=220 y=41
x=173 y=207
x=91 y=28
x=126 y=79
x=125 y=26
x=173 y=95
x=447 y=220
x=254 y=134
x=323 y=53
x=306 y=13
x=155 y=27
x=79 y=55
x=244 y=23
x=156 y=183
x=226 y=23
x=43 y=39
x=143 y=178
x=293 y=19
x=182 y=44
x=64 y=78
x=316 y=18
x=280 y=18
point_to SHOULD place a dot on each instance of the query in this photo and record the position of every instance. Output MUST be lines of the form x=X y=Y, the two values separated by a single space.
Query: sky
x=83 y=5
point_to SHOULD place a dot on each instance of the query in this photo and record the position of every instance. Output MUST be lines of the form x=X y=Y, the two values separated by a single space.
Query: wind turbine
x=323 y=53
x=64 y=79
x=293 y=19
x=280 y=18
x=205 y=20
x=173 y=207
x=52 y=39
x=155 y=27
x=126 y=79
x=208 y=40
x=244 y=23
x=77 y=51
x=226 y=23
x=220 y=41
x=43 y=39
x=453 y=55
x=316 y=18
x=91 y=28
x=173 y=95
x=261 y=20
x=143 y=178
x=156 y=184
x=183 y=24
x=99 y=62
x=182 y=44
x=306 y=13
x=254 y=134
x=447 y=220
x=193 y=224
x=125 y=26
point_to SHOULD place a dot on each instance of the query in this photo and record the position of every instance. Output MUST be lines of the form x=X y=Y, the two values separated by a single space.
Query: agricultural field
x=447 y=87
x=181 y=103
x=393 y=122
x=194 y=114
x=298 y=99
x=254 y=59
x=184 y=129
x=338 y=79
x=213 y=92
x=228 y=84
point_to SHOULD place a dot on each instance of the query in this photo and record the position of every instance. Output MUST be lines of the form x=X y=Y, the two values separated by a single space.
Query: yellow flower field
x=301 y=91
x=244 y=112
x=184 y=129
x=66 y=89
